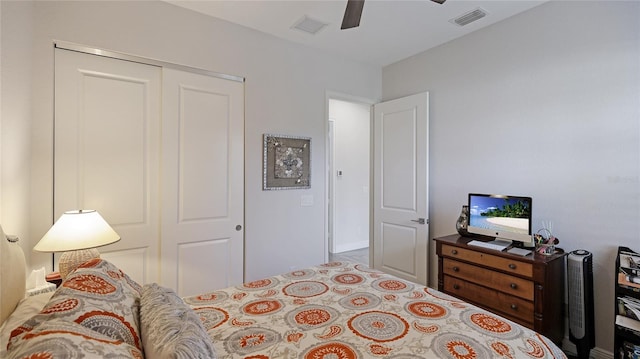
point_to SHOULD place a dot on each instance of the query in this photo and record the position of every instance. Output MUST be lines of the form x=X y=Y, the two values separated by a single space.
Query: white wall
x=15 y=122
x=285 y=93
x=351 y=156
x=543 y=104
x=1 y=114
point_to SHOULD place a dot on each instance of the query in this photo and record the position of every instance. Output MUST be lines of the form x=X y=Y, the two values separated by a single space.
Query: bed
x=333 y=310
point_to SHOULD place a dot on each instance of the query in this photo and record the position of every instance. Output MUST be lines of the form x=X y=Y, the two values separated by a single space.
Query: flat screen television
x=507 y=218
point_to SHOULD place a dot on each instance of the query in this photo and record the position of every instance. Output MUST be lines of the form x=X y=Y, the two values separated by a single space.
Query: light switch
x=306 y=200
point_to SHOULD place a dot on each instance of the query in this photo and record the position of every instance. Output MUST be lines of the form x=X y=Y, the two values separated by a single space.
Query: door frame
x=332 y=95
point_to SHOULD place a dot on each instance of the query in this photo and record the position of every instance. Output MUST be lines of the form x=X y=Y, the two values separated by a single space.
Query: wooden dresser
x=528 y=290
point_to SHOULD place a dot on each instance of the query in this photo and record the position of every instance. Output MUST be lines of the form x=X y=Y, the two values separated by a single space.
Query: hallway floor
x=357 y=256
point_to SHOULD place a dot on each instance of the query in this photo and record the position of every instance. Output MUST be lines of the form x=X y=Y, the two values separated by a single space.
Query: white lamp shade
x=77 y=230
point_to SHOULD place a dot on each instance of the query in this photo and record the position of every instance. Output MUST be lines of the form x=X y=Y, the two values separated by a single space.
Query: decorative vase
x=463 y=221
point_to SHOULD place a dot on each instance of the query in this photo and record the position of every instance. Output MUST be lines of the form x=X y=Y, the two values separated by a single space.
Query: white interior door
x=331 y=193
x=203 y=182
x=106 y=156
x=400 y=212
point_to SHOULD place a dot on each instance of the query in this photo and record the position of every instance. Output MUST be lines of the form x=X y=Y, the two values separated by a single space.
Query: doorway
x=348 y=179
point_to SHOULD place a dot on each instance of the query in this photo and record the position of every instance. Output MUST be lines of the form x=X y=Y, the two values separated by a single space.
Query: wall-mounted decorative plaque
x=286 y=162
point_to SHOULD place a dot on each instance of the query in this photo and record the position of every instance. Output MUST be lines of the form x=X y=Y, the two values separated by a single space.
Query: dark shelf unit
x=626 y=340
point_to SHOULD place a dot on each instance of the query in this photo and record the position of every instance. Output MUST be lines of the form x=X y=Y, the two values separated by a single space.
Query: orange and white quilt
x=342 y=310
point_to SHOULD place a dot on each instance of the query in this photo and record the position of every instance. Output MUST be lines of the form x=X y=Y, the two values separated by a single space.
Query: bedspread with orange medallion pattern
x=343 y=310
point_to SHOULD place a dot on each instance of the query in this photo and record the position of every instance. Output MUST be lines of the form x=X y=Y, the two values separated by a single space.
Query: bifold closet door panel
x=202 y=182
x=107 y=152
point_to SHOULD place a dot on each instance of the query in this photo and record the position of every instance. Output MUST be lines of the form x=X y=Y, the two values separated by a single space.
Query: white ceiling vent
x=309 y=25
x=469 y=17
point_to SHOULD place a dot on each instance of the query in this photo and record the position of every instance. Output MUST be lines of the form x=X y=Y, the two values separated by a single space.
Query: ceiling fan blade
x=352 y=14
x=439 y=1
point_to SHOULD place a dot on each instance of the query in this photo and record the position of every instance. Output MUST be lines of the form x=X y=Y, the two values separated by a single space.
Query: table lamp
x=77 y=234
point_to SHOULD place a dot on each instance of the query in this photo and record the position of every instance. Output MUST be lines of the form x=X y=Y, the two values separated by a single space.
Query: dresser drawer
x=495 y=280
x=500 y=263
x=510 y=306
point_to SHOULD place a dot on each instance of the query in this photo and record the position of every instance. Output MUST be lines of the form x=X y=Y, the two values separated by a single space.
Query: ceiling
x=389 y=31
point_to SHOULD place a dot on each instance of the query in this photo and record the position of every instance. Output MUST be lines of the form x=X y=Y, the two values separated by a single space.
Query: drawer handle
x=514 y=307
x=513 y=286
x=456 y=287
x=454 y=252
x=512 y=266
x=456 y=269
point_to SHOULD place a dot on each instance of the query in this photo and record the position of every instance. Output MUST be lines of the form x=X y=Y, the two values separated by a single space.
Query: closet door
x=202 y=182
x=106 y=155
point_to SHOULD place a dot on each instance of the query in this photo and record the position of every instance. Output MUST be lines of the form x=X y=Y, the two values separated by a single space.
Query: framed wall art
x=286 y=162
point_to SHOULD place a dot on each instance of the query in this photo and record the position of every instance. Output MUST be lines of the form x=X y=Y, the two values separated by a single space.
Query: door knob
x=419 y=220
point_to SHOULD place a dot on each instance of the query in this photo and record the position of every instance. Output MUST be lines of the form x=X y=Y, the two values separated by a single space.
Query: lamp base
x=71 y=260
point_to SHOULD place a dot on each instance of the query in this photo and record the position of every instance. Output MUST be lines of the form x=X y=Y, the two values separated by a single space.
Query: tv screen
x=502 y=217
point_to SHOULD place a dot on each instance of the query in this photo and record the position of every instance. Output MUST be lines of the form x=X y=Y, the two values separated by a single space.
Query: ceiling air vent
x=469 y=17
x=309 y=25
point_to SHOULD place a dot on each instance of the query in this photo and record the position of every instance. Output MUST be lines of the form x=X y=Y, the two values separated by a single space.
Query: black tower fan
x=580 y=289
